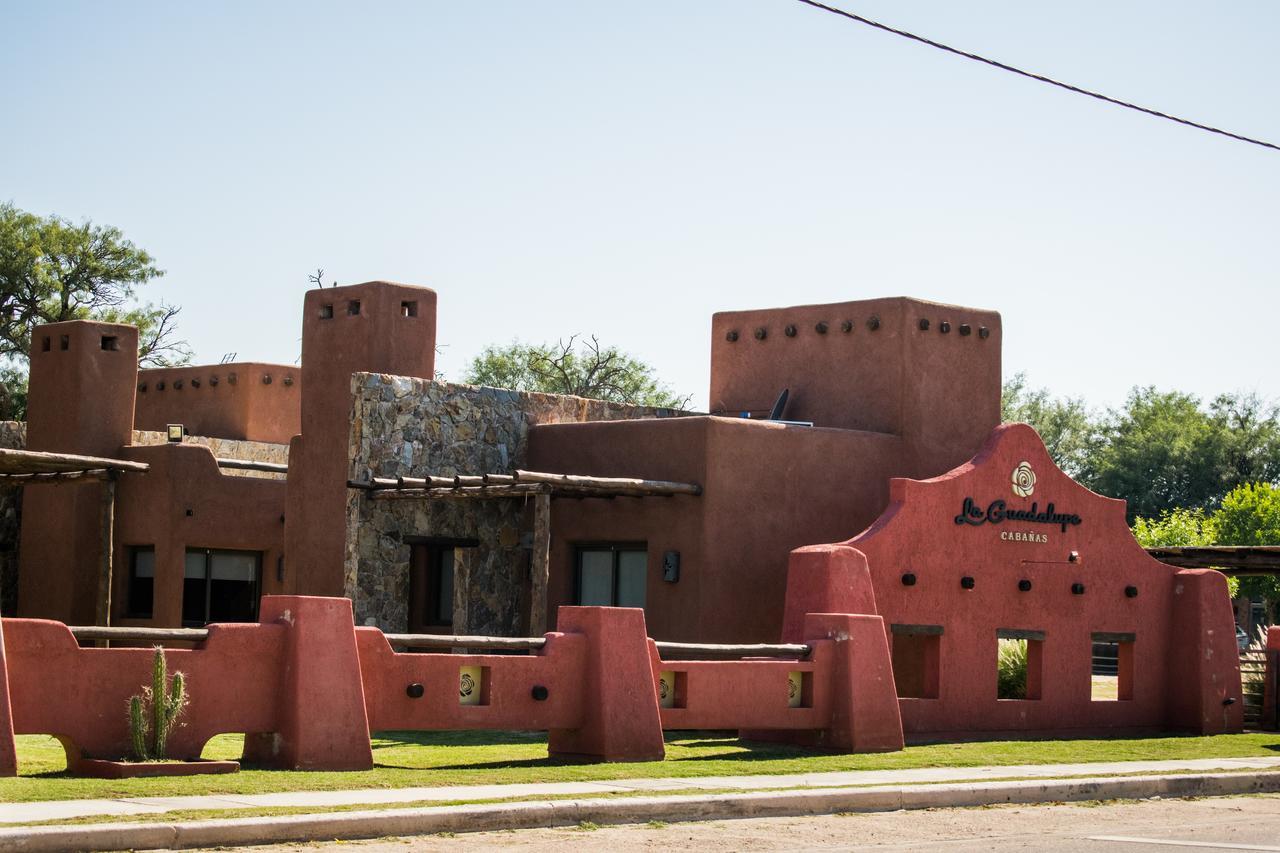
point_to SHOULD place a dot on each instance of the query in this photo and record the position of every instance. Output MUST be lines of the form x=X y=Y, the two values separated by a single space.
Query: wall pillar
x=323 y=724
x=619 y=692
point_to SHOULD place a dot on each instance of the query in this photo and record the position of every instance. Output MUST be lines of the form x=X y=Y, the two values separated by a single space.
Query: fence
x=307 y=686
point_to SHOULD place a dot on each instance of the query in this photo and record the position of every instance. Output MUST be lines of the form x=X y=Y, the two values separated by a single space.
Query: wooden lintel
x=251 y=465
x=614 y=484
x=44 y=462
x=92 y=475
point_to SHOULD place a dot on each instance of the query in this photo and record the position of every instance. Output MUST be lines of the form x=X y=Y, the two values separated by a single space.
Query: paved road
x=1227 y=823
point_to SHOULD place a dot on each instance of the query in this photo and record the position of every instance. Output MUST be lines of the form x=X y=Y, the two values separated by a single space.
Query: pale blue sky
x=627 y=169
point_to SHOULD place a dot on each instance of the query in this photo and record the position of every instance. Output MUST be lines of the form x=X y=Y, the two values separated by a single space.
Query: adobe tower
x=374 y=327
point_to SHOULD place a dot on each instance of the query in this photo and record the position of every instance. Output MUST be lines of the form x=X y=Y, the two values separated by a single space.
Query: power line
x=1002 y=66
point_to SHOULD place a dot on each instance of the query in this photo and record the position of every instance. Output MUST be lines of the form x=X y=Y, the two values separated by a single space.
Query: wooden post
x=105 y=560
x=541 y=571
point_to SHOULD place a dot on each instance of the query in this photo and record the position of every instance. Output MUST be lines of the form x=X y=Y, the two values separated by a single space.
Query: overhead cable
x=1040 y=77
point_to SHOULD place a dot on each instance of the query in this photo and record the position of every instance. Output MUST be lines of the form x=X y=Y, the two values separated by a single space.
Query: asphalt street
x=1225 y=823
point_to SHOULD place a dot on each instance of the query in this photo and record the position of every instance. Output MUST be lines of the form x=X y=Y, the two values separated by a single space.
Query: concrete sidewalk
x=322 y=800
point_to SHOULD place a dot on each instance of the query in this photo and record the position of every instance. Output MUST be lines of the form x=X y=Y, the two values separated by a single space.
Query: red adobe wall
x=307 y=687
x=792 y=485
x=185 y=501
x=80 y=401
x=1185 y=670
x=925 y=371
x=249 y=401
x=380 y=338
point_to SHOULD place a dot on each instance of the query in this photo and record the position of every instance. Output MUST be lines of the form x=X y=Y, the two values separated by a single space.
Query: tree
x=1162 y=451
x=1066 y=426
x=581 y=368
x=1250 y=515
x=53 y=270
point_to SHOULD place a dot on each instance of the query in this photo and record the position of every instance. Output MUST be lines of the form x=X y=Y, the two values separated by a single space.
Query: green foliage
x=1067 y=427
x=1011 y=669
x=582 y=368
x=53 y=270
x=153 y=715
x=1181 y=528
x=1160 y=451
x=1250 y=515
x=1176 y=528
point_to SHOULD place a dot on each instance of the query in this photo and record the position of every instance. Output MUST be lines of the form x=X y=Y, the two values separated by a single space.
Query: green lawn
x=411 y=759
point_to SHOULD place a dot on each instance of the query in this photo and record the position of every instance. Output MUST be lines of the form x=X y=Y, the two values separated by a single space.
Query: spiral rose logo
x=466 y=685
x=1024 y=480
x=664 y=690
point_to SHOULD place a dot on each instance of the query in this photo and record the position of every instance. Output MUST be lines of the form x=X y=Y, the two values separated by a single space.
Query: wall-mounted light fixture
x=176 y=432
x=671 y=566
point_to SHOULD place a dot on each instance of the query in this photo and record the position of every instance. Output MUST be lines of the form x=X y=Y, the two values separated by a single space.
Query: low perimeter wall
x=307 y=687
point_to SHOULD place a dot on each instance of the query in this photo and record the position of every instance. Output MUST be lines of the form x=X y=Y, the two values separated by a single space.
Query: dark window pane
x=632 y=567
x=595 y=578
x=142 y=574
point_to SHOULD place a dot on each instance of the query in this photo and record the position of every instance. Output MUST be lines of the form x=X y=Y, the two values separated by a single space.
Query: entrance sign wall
x=1008 y=546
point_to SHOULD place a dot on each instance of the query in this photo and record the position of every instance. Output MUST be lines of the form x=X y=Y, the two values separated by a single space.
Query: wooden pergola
x=30 y=467
x=542 y=487
x=1228 y=559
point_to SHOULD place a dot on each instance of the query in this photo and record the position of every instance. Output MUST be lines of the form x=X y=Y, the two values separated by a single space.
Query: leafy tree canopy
x=582 y=368
x=1067 y=426
x=53 y=270
x=1159 y=451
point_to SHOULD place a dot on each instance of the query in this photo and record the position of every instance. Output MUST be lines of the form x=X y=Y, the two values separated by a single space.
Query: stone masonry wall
x=229 y=448
x=412 y=427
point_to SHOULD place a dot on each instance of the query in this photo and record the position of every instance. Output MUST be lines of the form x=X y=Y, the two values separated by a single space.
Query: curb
x=535 y=814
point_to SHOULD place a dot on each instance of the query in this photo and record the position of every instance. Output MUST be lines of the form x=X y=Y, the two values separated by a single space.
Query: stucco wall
x=13 y=435
x=410 y=427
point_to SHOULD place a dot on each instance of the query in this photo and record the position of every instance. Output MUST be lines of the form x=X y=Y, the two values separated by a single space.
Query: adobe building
x=814 y=410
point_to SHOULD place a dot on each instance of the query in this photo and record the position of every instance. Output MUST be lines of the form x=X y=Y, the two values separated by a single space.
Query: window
x=220 y=586
x=142 y=581
x=65 y=342
x=326 y=312
x=431 y=569
x=45 y=345
x=612 y=575
x=110 y=343
x=409 y=309
x=353 y=307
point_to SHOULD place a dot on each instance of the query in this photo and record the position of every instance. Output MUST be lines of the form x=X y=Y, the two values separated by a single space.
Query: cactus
x=138 y=728
x=153 y=715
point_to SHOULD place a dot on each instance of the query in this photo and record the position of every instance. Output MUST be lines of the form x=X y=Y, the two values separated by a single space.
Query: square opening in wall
x=65 y=343
x=326 y=312
x=800 y=689
x=110 y=343
x=1111 y=673
x=1019 y=656
x=916 y=650
x=353 y=307
x=671 y=688
x=409 y=309
x=473 y=685
x=46 y=344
